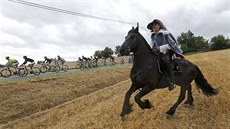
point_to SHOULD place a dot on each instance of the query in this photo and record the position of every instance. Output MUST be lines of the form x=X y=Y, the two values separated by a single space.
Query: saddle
x=175 y=65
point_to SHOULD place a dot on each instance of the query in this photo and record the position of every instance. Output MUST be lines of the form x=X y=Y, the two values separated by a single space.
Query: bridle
x=133 y=41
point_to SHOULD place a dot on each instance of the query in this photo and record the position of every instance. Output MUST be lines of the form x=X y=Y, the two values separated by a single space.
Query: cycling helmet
x=7 y=57
x=24 y=57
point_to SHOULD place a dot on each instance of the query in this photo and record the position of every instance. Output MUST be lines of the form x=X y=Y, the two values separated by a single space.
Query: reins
x=138 y=73
x=151 y=52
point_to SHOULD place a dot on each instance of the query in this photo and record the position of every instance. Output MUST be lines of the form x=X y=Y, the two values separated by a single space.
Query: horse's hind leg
x=126 y=105
x=146 y=103
x=172 y=110
x=189 y=100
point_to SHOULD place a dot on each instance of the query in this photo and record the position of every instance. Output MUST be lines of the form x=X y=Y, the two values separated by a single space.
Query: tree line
x=188 y=41
x=191 y=43
x=107 y=52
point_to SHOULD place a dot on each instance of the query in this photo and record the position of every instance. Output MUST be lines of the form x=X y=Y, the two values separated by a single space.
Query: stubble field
x=93 y=100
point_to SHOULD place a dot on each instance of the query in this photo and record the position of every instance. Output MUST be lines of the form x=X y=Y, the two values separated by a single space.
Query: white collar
x=163 y=31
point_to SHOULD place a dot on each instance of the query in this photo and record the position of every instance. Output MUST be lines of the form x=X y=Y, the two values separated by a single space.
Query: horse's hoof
x=151 y=105
x=168 y=116
x=189 y=106
x=148 y=105
x=125 y=117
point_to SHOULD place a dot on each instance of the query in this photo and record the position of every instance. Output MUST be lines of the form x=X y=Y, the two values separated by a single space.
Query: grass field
x=93 y=100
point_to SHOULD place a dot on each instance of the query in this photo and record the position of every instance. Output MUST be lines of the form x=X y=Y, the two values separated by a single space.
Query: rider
x=111 y=58
x=48 y=60
x=164 y=42
x=84 y=58
x=62 y=60
x=96 y=59
x=28 y=60
x=80 y=59
x=11 y=62
x=122 y=60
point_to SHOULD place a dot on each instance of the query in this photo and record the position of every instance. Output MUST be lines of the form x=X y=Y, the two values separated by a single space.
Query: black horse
x=146 y=76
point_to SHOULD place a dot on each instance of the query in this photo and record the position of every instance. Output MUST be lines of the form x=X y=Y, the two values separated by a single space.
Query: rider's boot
x=169 y=71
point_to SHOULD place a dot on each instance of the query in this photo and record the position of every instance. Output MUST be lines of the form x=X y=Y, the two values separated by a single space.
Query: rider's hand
x=158 y=48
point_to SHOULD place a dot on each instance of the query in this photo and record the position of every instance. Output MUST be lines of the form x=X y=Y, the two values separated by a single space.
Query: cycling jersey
x=48 y=60
x=61 y=59
x=28 y=60
x=12 y=61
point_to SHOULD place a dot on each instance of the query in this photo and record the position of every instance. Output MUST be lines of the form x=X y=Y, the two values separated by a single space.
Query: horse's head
x=130 y=43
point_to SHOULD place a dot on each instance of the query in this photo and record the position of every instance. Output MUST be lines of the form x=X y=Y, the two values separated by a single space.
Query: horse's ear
x=132 y=28
x=137 y=28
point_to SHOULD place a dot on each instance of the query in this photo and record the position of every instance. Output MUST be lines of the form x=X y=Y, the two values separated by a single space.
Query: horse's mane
x=146 y=43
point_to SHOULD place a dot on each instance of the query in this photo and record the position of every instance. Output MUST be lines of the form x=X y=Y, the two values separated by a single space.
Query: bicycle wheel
x=22 y=72
x=43 y=69
x=87 y=66
x=55 y=69
x=65 y=68
x=5 y=73
x=36 y=71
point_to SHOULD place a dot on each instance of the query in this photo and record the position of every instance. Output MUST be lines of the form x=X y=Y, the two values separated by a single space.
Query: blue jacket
x=164 y=37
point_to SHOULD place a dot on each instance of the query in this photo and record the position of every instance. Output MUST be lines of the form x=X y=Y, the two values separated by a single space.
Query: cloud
x=36 y=32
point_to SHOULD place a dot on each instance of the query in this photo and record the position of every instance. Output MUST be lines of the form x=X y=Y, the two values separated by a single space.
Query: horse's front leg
x=126 y=105
x=143 y=92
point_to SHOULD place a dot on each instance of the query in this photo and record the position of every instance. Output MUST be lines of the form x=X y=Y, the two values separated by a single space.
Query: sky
x=36 y=32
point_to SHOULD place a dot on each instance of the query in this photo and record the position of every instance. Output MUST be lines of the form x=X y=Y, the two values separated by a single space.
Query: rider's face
x=156 y=27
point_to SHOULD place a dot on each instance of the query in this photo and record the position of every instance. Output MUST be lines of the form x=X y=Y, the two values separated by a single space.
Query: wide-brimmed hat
x=156 y=21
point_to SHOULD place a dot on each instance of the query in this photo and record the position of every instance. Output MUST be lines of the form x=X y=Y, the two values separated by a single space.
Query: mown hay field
x=93 y=100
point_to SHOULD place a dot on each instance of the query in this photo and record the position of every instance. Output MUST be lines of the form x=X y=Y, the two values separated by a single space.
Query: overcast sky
x=37 y=32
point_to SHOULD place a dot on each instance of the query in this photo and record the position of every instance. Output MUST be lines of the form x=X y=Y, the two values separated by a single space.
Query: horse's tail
x=203 y=84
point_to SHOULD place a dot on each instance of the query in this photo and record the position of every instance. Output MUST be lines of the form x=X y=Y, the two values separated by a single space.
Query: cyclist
x=122 y=60
x=28 y=60
x=111 y=58
x=11 y=62
x=61 y=60
x=95 y=58
x=103 y=61
x=85 y=59
x=48 y=60
x=80 y=59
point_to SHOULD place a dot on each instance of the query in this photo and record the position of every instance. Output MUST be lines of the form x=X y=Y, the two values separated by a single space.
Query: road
x=33 y=76
x=49 y=74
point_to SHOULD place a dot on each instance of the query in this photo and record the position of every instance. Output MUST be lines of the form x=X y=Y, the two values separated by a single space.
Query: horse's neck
x=143 y=57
